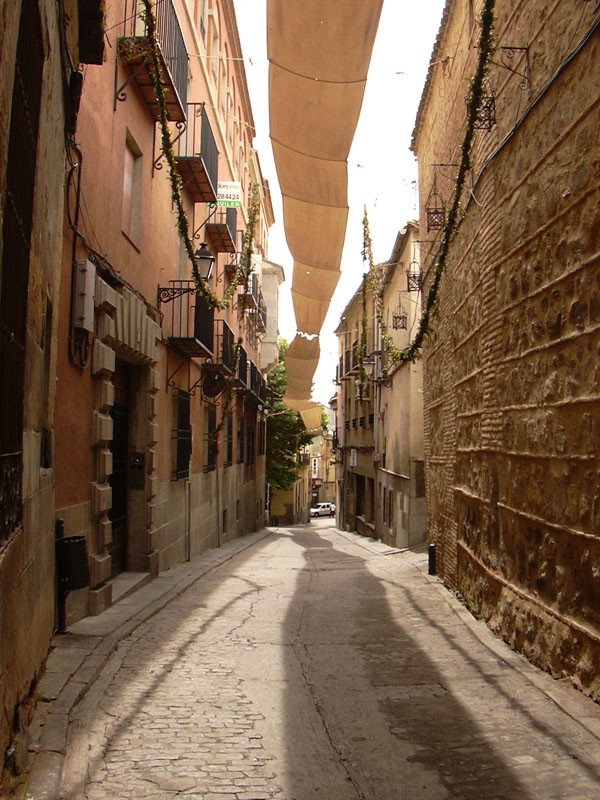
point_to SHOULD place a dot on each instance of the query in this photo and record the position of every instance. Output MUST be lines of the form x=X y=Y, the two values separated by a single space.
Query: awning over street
x=319 y=56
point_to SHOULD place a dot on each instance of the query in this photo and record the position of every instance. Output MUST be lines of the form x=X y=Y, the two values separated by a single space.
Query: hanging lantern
x=414 y=277
x=399 y=319
x=486 y=113
x=435 y=210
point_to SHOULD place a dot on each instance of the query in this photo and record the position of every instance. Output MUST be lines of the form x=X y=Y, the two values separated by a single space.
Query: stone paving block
x=251 y=685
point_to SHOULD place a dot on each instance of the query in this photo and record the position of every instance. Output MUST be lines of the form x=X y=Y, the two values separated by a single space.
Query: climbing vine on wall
x=243 y=268
x=392 y=355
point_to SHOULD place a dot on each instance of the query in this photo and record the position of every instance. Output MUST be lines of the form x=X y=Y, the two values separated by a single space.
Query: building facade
x=36 y=109
x=511 y=390
x=355 y=416
x=292 y=506
x=322 y=468
x=133 y=421
x=160 y=423
x=378 y=442
x=400 y=519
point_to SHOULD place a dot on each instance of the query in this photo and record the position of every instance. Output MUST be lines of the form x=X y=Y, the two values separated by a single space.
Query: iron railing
x=242 y=368
x=187 y=320
x=224 y=345
x=197 y=141
x=169 y=38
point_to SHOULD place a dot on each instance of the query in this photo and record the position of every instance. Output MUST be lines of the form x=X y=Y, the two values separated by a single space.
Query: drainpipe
x=217 y=449
x=188 y=514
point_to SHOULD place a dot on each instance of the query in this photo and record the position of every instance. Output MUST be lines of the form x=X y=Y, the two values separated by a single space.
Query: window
x=262 y=437
x=223 y=87
x=214 y=46
x=250 y=446
x=182 y=435
x=229 y=118
x=240 y=440
x=210 y=441
x=132 y=190
x=229 y=440
x=201 y=18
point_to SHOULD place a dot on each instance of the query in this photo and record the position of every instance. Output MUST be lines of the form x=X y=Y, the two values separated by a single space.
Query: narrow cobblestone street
x=311 y=665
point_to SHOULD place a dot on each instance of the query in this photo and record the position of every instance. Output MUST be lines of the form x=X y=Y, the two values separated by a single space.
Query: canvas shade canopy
x=319 y=55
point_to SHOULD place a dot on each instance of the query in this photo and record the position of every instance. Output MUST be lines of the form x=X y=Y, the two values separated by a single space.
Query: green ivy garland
x=241 y=274
x=393 y=356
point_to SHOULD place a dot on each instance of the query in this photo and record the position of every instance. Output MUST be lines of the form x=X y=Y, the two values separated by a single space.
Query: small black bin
x=72 y=563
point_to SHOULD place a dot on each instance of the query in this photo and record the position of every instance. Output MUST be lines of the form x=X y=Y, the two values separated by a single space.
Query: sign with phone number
x=229 y=194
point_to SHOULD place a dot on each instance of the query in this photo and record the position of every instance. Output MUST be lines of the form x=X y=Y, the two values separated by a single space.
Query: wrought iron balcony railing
x=347 y=363
x=224 y=347
x=196 y=155
x=134 y=50
x=221 y=230
x=188 y=321
x=242 y=368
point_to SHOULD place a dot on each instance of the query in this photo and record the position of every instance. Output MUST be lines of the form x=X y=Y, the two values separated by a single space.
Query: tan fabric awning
x=326 y=185
x=315 y=234
x=319 y=56
x=309 y=411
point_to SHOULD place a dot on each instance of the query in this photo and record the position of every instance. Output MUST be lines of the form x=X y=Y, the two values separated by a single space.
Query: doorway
x=118 y=480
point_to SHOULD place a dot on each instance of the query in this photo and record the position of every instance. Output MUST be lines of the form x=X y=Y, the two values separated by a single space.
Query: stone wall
x=512 y=383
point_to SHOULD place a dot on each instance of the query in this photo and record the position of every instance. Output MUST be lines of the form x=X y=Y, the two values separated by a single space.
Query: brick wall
x=512 y=382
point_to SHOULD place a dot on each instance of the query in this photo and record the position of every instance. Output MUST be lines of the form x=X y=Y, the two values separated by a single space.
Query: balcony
x=241 y=377
x=251 y=300
x=188 y=321
x=258 y=314
x=355 y=354
x=133 y=48
x=262 y=388
x=224 y=356
x=345 y=376
x=196 y=156
x=221 y=229
x=254 y=379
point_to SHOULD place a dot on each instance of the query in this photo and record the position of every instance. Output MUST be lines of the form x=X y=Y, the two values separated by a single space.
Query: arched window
x=214 y=51
x=200 y=17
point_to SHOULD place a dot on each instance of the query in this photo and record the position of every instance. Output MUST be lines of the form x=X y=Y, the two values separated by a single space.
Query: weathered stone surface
x=512 y=375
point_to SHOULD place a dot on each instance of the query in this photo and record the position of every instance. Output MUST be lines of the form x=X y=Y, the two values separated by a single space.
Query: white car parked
x=323 y=510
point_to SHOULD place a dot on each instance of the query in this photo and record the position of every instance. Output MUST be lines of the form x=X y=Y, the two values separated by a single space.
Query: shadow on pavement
x=391 y=723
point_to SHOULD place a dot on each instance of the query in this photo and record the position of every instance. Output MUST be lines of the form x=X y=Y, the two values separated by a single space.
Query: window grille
x=182 y=435
x=229 y=440
x=210 y=442
x=250 y=446
x=262 y=437
x=240 y=440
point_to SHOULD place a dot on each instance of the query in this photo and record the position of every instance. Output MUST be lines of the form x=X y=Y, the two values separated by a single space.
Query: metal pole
x=432 y=564
x=61 y=594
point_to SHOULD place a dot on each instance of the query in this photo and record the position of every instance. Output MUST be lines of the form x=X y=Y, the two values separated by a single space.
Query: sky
x=382 y=171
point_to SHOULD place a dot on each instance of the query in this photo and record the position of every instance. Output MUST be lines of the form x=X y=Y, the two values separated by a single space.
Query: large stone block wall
x=512 y=382
x=27 y=557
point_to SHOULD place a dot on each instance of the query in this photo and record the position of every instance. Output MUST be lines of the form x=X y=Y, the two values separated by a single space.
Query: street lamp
x=369 y=366
x=205 y=261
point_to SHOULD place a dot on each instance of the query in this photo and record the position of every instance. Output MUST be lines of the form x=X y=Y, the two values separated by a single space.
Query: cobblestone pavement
x=313 y=665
